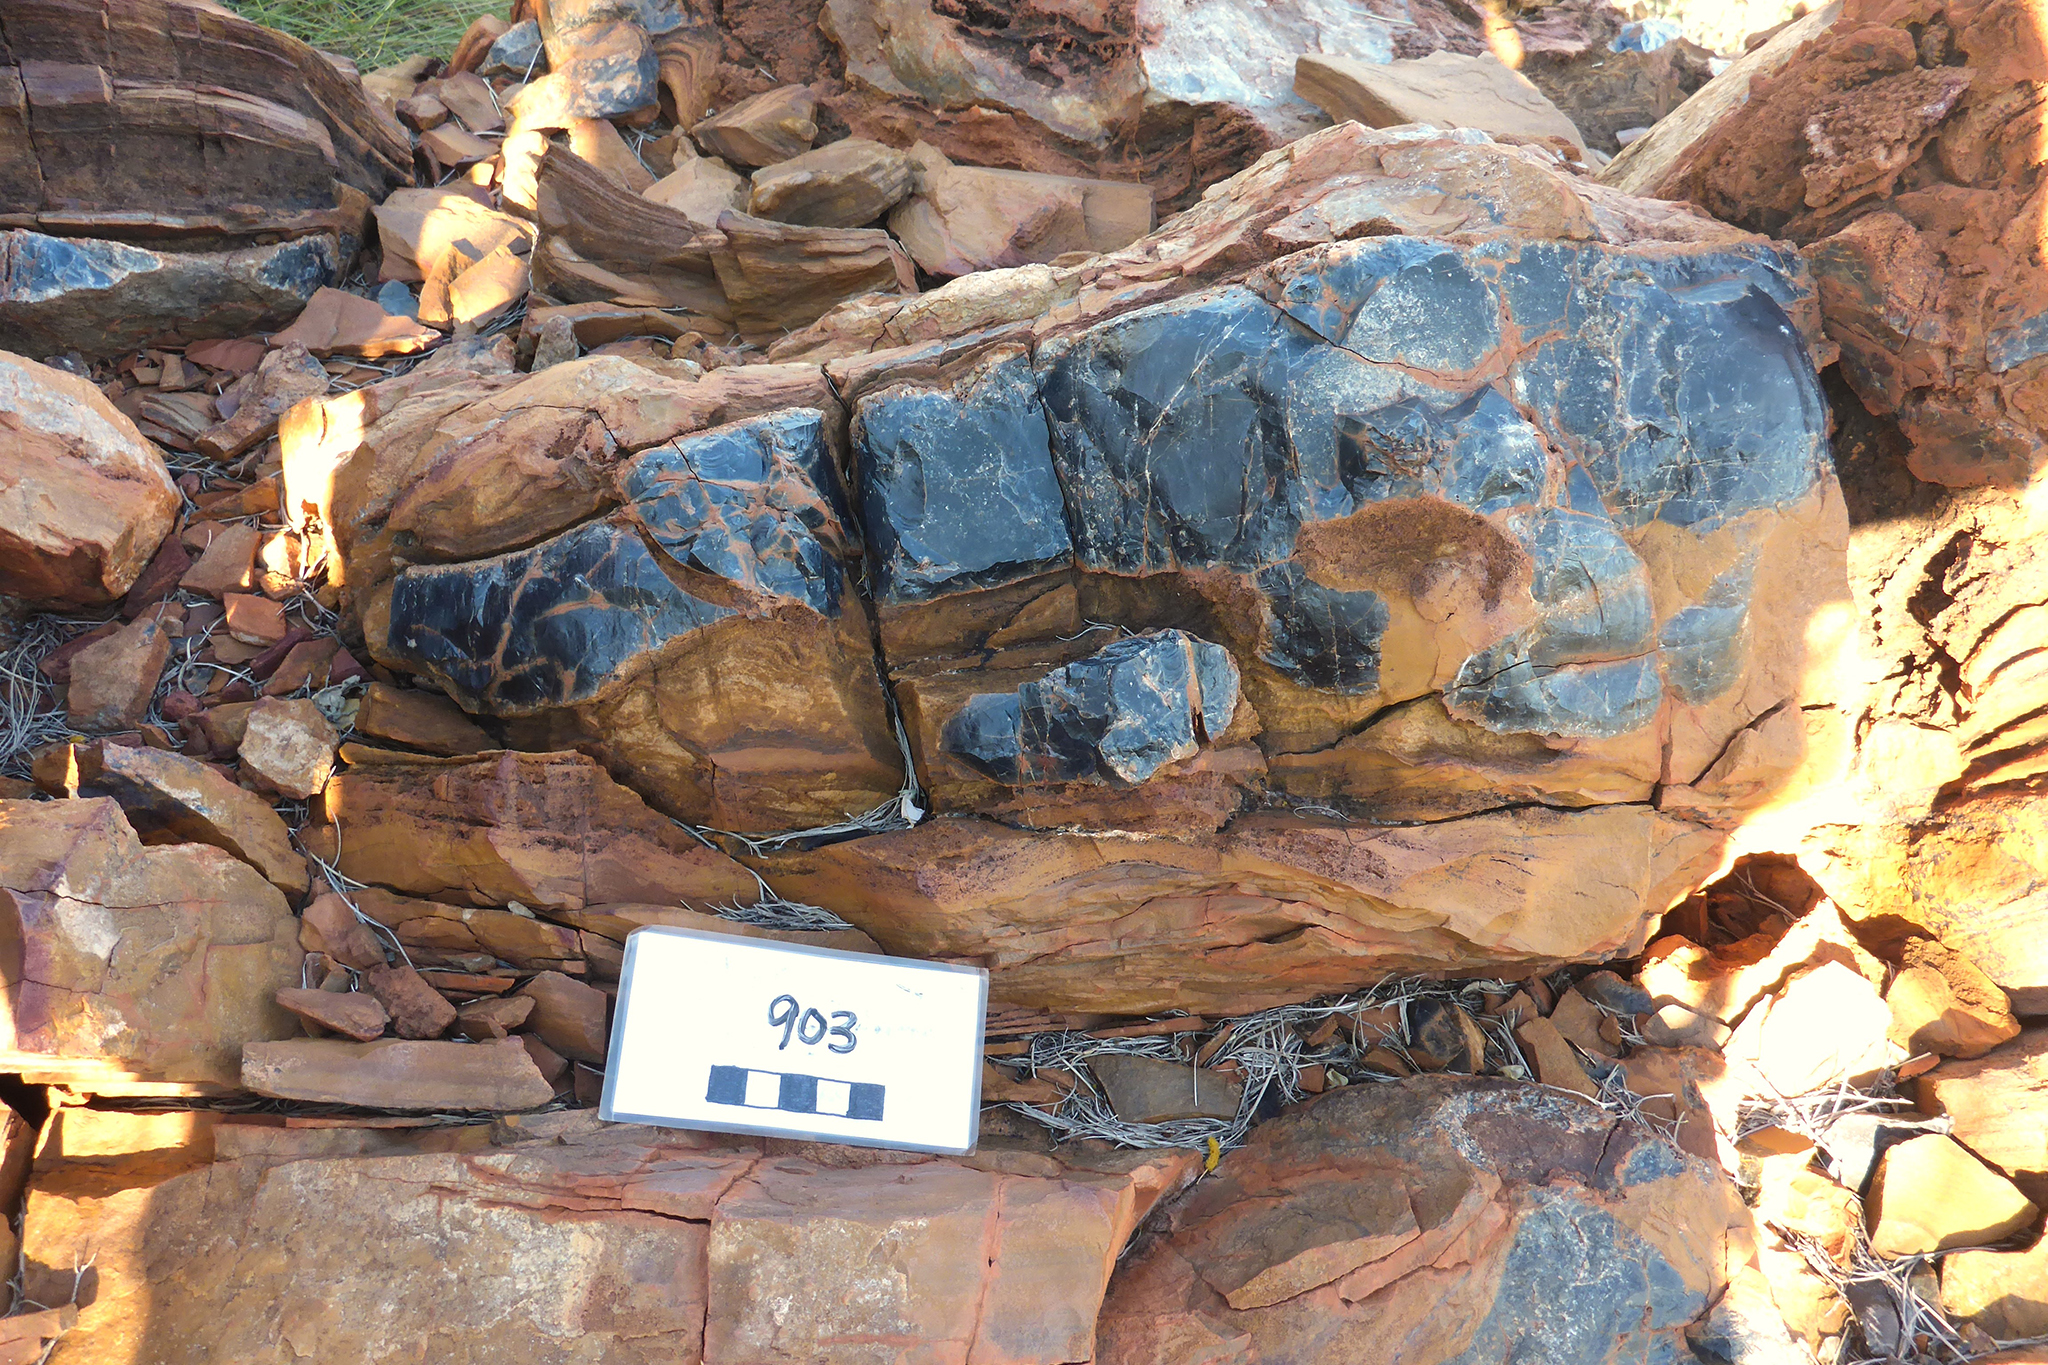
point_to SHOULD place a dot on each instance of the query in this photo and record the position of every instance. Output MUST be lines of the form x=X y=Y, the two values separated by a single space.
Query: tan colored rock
x=844 y=184
x=1444 y=89
x=561 y=1199
x=778 y=278
x=700 y=189
x=1998 y=1102
x=599 y=143
x=418 y=720
x=430 y=929
x=112 y=680
x=1553 y=1058
x=328 y=925
x=1931 y=1195
x=254 y=620
x=353 y=1014
x=2004 y=1293
x=417 y=1010
x=762 y=130
x=1828 y=1025
x=1723 y=983
x=227 y=564
x=397 y=1073
x=151 y=963
x=170 y=798
x=338 y=323
x=548 y=830
x=287 y=375
x=615 y=922
x=84 y=499
x=572 y=1018
x=288 y=746
x=1157 y=1090
x=1427 y=1212
x=599 y=241
x=1941 y=1003
x=493 y=1017
x=964 y=219
x=1579 y=1021
x=1140 y=925
x=419 y=230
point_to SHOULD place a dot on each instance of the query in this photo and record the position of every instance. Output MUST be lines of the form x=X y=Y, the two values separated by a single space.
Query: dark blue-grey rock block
x=102 y=298
x=1117 y=716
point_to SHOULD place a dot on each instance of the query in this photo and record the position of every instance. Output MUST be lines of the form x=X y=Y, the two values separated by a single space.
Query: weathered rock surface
x=157 y=120
x=969 y=218
x=1931 y=1195
x=1271 y=909
x=169 y=798
x=1446 y=89
x=133 y=962
x=547 y=830
x=659 y=1246
x=1430 y=1220
x=845 y=184
x=1998 y=1103
x=771 y=127
x=397 y=1073
x=84 y=499
x=113 y=679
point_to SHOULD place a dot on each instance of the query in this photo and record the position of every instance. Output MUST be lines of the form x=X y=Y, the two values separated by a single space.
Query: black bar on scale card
x=793 y=1093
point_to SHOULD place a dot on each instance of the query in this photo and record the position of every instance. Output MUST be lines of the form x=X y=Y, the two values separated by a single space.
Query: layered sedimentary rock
x=656 y=1245
x=131 y=962
x=173 y=167
x=1437 y=1220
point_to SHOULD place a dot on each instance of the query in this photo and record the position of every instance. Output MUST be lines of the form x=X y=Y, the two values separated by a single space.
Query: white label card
x=744 y=1035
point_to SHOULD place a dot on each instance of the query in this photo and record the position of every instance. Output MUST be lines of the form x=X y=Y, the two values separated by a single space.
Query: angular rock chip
x=168 y=797
x=286 y=375
x=417 y=1010
x=131 y=961
x=763 y=129
x=84 y=499
x=1157 y=1090
x=288 y=747
x=112 y=680
x=962 y=219
x=844 y=184
x=778 y=278
x=419 y=720
x=570 y=1017
x=353 y=1014
x=1446 y=89
x=1932 y=1195
x=1998 y=1103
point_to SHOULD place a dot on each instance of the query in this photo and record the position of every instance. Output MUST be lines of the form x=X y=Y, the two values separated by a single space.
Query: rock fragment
x=762 y=130
x=286 y=375
x=1932 y=1195
x=418 y=720
x=1998 y=1103
x=112 y=680
x=353 y=1014
x=417 y=1010
x=570 y=1017
x=1156 y=1090
x=1446 y=89
x=328 y=925
x=84 y=499
x=168 y=797
x=844 y=184
x=397 y=1073
x=288 y=747
x=962 y=219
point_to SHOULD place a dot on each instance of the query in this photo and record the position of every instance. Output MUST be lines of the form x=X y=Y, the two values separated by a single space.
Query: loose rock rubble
x=1476 y=701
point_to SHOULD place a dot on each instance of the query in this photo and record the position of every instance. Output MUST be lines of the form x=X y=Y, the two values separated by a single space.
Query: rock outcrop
x=657 y=1245
x=1435 y=1220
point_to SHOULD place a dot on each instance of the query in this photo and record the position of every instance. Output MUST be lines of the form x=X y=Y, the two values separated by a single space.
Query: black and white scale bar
x=793 y=1094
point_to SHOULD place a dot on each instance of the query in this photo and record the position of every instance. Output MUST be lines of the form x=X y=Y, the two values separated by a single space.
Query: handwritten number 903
x=809 y=1027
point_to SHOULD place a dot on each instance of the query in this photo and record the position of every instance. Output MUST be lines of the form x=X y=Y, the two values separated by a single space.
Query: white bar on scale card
x=745 y=1035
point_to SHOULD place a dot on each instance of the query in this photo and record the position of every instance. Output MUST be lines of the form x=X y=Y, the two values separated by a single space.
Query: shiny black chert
x=1117 y=716
x=548 y=626
x=754 y=504
x=1568 y=392
x=958 y=490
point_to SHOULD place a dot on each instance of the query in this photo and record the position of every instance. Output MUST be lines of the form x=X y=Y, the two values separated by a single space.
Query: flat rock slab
x=100 y=298
x=1157 y=1090
x=169 y=795
x=397 y=1073
x=659 y=1245
x=1446 y=89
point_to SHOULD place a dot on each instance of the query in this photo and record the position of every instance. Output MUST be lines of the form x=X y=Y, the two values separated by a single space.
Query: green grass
x=373 y=33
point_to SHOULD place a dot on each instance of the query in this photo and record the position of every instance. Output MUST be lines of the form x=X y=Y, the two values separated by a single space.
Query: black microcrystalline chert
x=1569 y=392
x=755 y=503
x=1117 y=716
x=547 y=626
